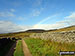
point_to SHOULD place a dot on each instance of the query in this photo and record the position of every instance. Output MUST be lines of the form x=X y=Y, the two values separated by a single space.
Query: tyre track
x=25 y=49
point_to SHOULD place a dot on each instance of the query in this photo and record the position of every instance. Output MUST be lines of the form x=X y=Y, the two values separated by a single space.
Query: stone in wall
x=63 y=36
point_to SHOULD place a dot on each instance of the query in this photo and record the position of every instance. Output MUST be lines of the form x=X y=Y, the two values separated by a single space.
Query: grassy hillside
x=70 y=28
x=26 y=34
x=39 y=47
x=16 y=35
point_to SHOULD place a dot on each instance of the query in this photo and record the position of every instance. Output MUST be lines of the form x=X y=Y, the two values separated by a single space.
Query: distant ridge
x=69 y=28
x=30 y=31
x=35 y=30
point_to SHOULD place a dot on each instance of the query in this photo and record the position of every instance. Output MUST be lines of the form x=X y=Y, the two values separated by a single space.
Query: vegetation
x=4 y=50
x=70 y=28
x=19 y=50
x=28 y=33
x=15 y=35
x=37 y=46
x=40 y=47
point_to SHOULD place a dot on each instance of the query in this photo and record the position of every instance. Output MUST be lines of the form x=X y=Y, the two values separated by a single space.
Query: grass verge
x=19 y=50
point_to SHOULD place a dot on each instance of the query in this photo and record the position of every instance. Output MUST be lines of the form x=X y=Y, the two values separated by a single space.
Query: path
x=11 y=51
x=25 y=49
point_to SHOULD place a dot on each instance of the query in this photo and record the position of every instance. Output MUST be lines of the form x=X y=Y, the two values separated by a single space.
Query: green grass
x=19 y=50
x=40 y=47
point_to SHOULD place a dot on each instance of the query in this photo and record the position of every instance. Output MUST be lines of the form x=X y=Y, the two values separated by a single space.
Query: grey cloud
x=48 y=26
x=70 y=20
x=7 y=26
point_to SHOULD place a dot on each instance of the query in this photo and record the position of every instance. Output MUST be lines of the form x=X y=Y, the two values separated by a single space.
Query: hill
x=69 y=28
x=31 y=31
x=35 y=31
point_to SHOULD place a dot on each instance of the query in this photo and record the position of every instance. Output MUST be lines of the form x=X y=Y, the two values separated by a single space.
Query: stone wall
x=64 y=36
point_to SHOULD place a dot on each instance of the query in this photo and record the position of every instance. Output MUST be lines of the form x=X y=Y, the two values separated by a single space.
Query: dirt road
x=25 y=49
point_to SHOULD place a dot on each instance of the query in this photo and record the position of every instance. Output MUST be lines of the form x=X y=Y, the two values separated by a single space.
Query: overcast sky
x=21 y=15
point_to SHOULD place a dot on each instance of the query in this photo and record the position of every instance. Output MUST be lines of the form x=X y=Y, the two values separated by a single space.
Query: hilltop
x=31 y=31
x=59 y=35
x=35 y=30
x=69 y=28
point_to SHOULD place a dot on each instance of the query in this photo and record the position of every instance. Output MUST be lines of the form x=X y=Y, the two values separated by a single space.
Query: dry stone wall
x=64 y=36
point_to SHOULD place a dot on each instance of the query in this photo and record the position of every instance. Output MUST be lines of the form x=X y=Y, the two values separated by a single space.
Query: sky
x=21 y=15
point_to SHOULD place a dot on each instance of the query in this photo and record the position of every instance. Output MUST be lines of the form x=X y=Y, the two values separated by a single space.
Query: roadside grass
x=40 y=47
x=19 y=50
